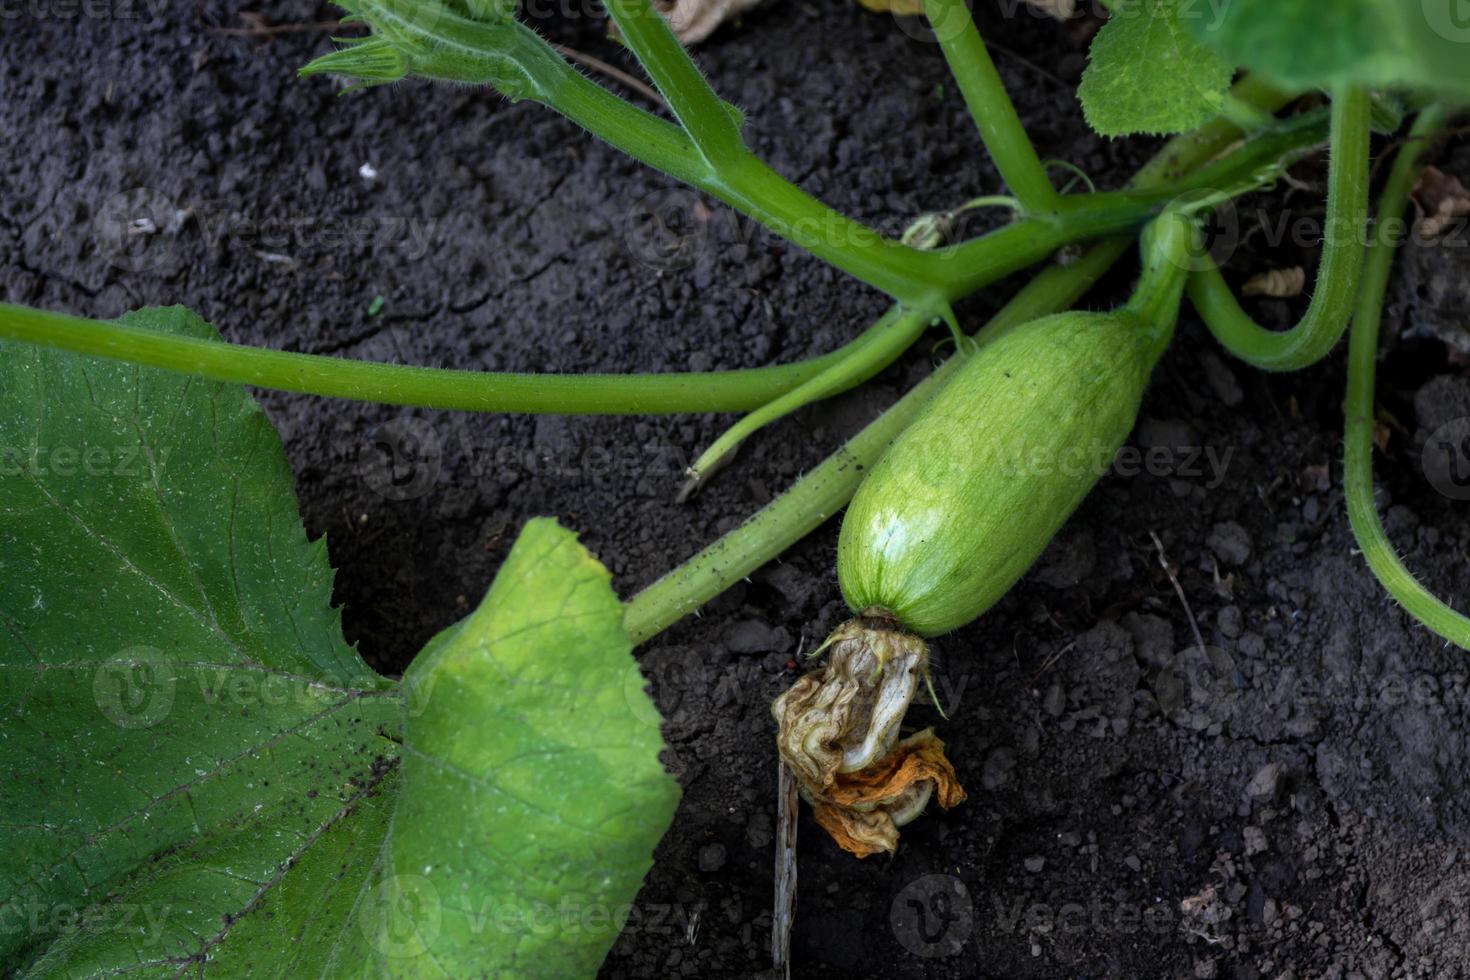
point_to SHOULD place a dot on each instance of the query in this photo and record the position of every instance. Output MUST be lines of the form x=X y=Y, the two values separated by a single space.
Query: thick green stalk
x=397 y=384
x=509 y=55
x=1373 y=540
x=1337 y=276
x=900 y=329
x=827 y=489
x=975 y=263
x=990 y=106
x=704 y=116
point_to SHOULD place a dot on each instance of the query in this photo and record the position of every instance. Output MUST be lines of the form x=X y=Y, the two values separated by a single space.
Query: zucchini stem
x=1368 y=529
x=1337 y=277
x=990 y=106
x=1168 y=246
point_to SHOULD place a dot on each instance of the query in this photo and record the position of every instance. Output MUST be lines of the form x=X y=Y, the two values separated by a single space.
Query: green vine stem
x=1337 y=276
x=398 y=384
x=431 y=41
x=818 y=495
x=990 y=106
x=1362 y=362
x=901 y=328
x=976 y=264
x=704 y=116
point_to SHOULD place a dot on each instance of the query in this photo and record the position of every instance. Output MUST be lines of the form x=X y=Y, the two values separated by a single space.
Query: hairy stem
x=990 y=106
x=1372 y=539
x=704 y=116
x=1337 y=276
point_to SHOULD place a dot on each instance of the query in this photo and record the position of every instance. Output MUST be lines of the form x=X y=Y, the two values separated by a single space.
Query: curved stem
x=826 y=489
x=899 y=331
x=1362 y=357
x=1337 y=276
x=448 y=46
x=398 y=384
x=990 y=106
x=1167 y=246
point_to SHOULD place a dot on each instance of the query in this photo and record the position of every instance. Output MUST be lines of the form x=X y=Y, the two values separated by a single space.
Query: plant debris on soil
x=1288 y=800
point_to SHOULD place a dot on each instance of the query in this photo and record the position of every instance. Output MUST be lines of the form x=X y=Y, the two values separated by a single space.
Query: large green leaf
x=1148 y=74
x=1405 y=43
x=201 y=776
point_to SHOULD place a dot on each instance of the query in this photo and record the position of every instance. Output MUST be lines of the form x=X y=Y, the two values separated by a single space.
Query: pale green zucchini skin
x=966 y=499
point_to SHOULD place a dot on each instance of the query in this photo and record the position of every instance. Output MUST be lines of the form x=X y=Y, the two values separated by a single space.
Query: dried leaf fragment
x=1277 y=284
x=863 y=810
x=694 y=20
x=838 y=734
x=1060 y=9
x=846 y=716
x=1444 y=199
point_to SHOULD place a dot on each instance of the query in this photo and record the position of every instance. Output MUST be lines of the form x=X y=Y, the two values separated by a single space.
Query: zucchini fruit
x=969 y=496
x=956 y=511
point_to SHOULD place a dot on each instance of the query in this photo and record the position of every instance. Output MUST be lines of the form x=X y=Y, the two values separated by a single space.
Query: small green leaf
x=538 y=746
x=202 y=777
x=1148 y=74
x=1391 y=43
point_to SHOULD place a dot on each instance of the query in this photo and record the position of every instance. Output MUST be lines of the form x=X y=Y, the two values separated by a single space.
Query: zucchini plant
x=203 y=776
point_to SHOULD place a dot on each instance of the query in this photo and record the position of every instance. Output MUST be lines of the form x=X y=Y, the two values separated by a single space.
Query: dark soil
x=1294 y=802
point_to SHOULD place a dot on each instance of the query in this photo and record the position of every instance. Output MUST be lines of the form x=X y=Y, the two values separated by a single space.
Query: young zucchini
x=953 y=514
x=963 y=502
x=968 y=497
